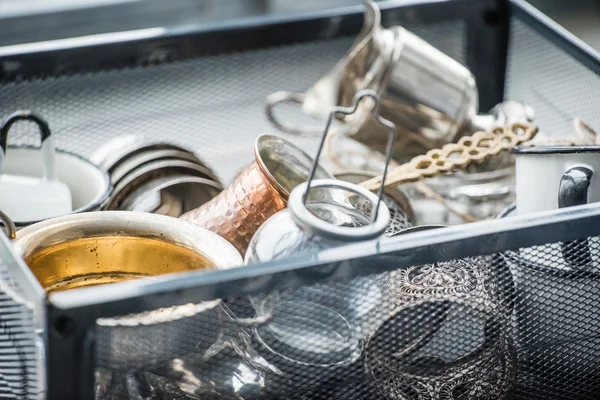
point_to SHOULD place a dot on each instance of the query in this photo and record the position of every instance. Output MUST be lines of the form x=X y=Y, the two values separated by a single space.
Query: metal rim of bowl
x=182 y=233
x=321 y=173
x=135 y=161
x=153 y=186
x=150 y=171
x=117 y=151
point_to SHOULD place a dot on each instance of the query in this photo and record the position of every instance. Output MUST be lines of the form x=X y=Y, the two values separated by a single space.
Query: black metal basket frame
x=71 y=316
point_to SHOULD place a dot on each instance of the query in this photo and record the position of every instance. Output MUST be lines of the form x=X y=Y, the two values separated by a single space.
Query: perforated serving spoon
x=31 y=198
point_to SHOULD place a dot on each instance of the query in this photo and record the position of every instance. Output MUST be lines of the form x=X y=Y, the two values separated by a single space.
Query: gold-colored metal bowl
x=99 y=260
x=113 y=246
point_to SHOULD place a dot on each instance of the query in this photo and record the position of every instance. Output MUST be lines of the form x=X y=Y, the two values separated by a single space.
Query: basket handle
x=358 y=97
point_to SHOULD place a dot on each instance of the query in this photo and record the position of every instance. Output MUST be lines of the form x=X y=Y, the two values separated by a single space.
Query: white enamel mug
x=552 y=177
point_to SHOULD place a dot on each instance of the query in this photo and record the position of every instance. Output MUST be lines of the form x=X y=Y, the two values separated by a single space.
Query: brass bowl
x=96 y=248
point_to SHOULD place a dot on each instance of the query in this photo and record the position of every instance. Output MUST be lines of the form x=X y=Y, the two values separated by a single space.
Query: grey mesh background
x=520 y=325
x=557 y=86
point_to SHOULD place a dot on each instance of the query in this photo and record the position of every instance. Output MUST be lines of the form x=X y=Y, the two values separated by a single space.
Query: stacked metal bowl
x=156 y=177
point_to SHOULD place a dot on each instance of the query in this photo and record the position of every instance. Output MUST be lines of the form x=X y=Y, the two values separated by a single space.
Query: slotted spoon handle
x=457 y=156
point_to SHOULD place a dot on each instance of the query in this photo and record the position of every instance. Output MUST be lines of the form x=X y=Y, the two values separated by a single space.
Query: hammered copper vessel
x=258 y=192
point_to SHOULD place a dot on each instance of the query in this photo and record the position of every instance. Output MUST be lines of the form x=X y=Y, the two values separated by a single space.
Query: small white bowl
x=89 y=185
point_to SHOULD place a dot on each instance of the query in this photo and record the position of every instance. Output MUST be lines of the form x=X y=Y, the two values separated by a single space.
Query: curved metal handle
x=47 y=139
x=276 y=98
x=573 y=191
x=351 y=110
x=9 y=225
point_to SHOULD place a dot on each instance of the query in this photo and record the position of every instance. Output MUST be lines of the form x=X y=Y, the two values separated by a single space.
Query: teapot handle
x=9 y=225
x=277 y=98
x=573 y=191
x=48 y=146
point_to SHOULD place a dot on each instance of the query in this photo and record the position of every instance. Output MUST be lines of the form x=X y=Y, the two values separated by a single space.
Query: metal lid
x=305 y=215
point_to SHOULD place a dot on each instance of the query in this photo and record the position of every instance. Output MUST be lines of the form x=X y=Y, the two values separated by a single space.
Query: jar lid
x=307 y=215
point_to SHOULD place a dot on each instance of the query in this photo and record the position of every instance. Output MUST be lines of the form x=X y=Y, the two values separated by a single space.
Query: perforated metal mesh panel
x=557 y=86
x=212 y=105
x=20 y=358
x=522 y=324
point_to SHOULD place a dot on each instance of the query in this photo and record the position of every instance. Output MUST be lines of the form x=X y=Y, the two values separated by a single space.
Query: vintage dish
x=257 y=193
x=103 y=247
x=121 y=149
x=135 y=161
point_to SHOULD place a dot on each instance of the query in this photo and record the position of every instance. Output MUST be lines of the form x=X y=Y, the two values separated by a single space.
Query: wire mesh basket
x=488 y=310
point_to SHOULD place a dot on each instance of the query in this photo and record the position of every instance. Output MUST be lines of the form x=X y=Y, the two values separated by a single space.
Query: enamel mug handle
x=47 y=139
x=573 y=191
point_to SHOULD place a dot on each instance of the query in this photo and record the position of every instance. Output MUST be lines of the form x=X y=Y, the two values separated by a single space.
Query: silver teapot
x=431 y=98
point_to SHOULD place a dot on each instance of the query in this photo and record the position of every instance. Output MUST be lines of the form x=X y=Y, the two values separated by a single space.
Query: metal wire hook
x=348 y=111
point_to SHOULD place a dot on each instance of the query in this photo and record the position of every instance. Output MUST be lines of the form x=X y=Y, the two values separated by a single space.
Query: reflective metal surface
x=257 y=193
x=104 y=247
x=394 y=198
x=426 y=94
x=428 y=114
x=171 y=195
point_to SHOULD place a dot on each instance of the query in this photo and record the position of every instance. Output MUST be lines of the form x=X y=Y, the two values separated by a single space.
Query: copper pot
x=258 y=192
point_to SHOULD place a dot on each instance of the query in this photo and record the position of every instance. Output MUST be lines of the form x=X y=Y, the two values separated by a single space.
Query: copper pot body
x=258 y=192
